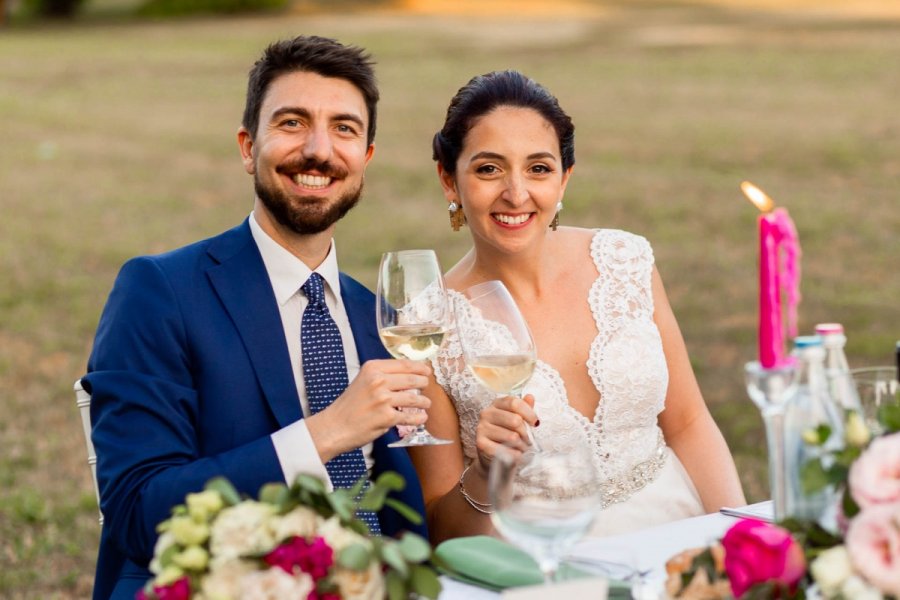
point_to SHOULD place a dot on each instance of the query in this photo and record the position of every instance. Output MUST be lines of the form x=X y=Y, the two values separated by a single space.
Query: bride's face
x=509 y=178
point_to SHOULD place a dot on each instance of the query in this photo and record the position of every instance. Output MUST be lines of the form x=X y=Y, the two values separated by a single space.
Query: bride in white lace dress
x=612 y=374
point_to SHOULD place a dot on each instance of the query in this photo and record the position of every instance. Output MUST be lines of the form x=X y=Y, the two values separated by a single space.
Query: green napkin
x=490 y=563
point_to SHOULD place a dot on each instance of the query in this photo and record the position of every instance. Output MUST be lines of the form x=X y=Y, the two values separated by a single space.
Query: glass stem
x=773 y=417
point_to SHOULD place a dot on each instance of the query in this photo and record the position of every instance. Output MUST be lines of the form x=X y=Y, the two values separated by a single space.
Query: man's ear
x=245 y=144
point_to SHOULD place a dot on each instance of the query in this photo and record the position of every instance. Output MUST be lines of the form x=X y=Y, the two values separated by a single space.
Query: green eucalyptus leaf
x=391 y=480
x=276 y=494
x=848 y=505
x=342 y=504
x=813 y=477
x=355 y=557
x=889 y=417
x=311 y=483
x=224 y=487
x=414 y=548
x=390 y=553
x=374 y=498
x=396 y=586
x=357 y=488
x=405 y=511
x=424 y=582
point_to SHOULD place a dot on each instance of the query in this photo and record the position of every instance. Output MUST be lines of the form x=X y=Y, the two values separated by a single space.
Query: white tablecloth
x=646 y=549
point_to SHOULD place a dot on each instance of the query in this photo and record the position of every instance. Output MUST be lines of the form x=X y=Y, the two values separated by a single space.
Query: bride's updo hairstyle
x=485 y=93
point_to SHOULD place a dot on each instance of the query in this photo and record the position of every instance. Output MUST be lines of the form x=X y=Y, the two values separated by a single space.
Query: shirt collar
x=287 y=272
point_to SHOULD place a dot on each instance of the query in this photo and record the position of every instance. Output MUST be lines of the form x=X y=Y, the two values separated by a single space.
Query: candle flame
x=757 y=197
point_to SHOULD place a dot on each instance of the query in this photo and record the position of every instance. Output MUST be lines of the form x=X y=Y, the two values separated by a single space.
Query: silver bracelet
x=482 y=507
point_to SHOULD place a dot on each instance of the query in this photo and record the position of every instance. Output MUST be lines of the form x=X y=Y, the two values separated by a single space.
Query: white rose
x=858 y=589
x=242 y=529
x=831 y=569
x=224 y=580
x=192 y=558
x=360 y=585
x=188 y=532
x=204 y=505
x=163 y=543
x=301 y=522
x=339 y=537
x=275 y=584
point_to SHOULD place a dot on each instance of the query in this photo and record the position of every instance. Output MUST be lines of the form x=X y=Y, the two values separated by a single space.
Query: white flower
x=188 y=532
x=857 y=589
x=339 y=537
x=204 y=505
x=163 y=543
x=831 y=569
x=360 y=585
x=242 y=529
x=192 y=558
x=224 y=581
x=301 y=522
x=856 y=433
x=275 y=584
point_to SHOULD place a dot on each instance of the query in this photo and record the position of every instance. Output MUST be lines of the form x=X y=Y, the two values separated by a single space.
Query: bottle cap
x=807 y=341
x=829 y=328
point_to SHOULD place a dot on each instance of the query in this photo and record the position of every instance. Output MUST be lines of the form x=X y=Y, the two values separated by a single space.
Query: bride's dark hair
x=486 y=92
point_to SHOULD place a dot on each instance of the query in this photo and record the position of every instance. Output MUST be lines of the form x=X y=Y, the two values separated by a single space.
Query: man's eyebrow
x=302 y=112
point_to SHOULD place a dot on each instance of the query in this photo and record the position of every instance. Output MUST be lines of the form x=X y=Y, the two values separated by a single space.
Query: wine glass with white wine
x=497 y=345
x=413 y=316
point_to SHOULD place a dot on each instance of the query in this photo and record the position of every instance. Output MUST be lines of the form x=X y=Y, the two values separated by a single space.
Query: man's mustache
x=324 y=168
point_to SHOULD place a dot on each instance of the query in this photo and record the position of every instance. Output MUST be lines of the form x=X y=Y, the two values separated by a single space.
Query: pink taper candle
x=779 y=272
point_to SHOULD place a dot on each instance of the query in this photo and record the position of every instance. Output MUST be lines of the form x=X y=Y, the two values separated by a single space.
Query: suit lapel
x=242 y=283
x=359 y=303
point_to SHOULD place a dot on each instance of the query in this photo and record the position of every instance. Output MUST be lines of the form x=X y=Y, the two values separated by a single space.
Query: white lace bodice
x=626 y=365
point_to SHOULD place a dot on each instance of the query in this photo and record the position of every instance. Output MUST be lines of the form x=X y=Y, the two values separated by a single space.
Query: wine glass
x=544 y=502
x=412 y=315
x=878 y=389
x=497 y=344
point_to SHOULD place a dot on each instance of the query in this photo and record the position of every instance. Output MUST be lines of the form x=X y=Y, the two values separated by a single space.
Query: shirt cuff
x=297 y=453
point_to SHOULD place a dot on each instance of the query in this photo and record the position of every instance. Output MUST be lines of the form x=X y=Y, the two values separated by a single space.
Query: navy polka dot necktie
x=325 y=375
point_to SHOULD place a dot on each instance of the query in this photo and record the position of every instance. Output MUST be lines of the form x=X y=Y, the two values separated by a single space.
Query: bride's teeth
x=510 y=220
x=311 y=181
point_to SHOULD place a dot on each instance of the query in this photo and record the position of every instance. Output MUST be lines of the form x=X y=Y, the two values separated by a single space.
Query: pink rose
x=873 y=541
x=177 y=590
x=756 y=552
x=875 y=475
x=314 y=558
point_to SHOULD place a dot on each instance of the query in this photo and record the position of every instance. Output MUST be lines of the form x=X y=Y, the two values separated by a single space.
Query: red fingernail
x=537 y=422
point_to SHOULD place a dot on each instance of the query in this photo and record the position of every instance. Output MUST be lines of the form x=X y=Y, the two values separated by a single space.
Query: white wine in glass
x=497 y=344
x=413 y=316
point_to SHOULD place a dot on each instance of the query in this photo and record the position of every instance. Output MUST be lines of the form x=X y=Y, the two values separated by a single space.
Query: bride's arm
x=688 y=426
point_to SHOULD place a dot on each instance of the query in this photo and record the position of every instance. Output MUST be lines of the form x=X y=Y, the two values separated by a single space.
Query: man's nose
x=317 y=145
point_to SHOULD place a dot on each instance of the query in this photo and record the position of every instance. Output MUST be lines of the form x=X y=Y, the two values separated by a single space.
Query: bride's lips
x=512 y=221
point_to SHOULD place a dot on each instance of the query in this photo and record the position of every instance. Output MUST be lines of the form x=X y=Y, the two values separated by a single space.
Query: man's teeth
x=311 y=181
x=512 y=220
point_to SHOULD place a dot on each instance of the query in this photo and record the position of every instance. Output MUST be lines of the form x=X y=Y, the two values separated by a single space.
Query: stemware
x=412 y=315
x=544 y=502
x=497 y=345
x=878 y=389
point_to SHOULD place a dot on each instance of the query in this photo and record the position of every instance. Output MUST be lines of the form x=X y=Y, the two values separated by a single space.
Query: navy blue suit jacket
x=189 y=376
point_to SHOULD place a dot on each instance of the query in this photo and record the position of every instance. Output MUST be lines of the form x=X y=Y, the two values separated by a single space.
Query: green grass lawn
x=119 y=139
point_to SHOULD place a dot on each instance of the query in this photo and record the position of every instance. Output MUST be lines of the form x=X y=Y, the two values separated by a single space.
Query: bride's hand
x=504 y=423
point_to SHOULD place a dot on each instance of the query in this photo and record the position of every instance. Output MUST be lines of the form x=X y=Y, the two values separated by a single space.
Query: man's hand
x=369 y=406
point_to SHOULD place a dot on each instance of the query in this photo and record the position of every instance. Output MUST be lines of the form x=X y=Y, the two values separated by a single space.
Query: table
x=645 y=549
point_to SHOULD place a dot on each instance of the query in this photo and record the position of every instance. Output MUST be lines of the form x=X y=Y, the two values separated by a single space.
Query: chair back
x=83 y=401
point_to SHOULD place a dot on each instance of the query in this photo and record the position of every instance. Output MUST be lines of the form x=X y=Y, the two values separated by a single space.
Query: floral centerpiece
x=796 y=559
x=293 y=542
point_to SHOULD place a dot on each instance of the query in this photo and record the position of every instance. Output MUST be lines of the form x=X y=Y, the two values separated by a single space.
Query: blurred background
x=119 y=121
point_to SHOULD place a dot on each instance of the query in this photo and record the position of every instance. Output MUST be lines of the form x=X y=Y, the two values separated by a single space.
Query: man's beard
x=306 y=215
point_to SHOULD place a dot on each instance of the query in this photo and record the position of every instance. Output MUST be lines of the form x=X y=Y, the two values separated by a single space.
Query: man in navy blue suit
x=198 y=364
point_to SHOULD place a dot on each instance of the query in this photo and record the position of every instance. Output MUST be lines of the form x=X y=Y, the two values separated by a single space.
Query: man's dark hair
x=313 y=54
x=486 y=92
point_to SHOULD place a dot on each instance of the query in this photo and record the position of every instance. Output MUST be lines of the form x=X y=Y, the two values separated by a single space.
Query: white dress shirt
x=293 y=444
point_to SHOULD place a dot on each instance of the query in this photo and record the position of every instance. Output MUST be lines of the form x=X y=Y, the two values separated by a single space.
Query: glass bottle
x=837 y=370
x=807 y=410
